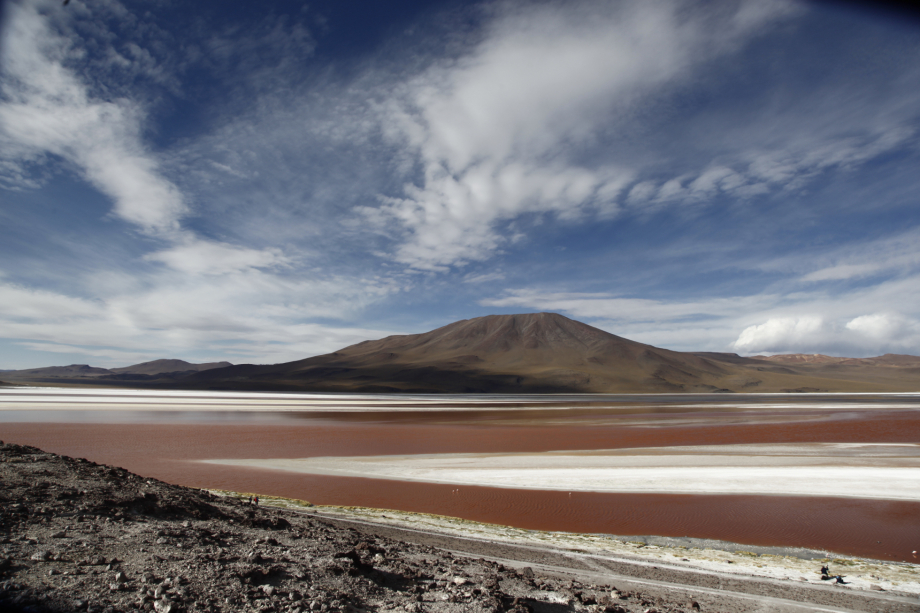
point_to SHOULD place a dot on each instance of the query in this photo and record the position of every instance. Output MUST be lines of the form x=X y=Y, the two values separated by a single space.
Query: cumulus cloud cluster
x=872 y=334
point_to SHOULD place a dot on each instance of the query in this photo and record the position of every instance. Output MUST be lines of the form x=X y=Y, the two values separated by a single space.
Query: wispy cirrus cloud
x=499 y=131
x=46 y=110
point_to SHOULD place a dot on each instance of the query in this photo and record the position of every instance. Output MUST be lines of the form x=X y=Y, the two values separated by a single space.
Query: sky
x=264 y=182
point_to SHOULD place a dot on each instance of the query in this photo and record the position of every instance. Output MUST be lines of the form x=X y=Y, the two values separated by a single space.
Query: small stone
x=41 y=556
x=120 y=577
x=59 y=535
x=877 y=588
x=163 y=606
x=268 y=590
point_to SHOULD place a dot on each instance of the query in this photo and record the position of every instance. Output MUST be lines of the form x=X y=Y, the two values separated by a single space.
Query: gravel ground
x=78 y=536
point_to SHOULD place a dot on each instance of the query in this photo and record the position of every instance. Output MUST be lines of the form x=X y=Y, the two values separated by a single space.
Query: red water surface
x=872 y=528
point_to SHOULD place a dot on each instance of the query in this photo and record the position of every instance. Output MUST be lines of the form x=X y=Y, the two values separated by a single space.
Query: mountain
x=530 y=353
x=157 y=367
x=538 y=353
x=74 y=370
x=157 y=370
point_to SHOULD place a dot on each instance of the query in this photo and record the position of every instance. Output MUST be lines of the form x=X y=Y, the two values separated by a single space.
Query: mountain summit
x=528 y=353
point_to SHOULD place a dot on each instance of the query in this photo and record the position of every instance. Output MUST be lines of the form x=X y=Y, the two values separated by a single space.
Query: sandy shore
x=727 y=559
x=878 y=471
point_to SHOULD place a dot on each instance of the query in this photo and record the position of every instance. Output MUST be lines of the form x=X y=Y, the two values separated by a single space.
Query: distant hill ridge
x=149 y=369
x=889 y=359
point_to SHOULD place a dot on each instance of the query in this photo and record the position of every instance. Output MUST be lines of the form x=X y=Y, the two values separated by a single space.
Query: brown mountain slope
x=74 y=370
x=157 y=367
x=81 y=373
x=531 y=353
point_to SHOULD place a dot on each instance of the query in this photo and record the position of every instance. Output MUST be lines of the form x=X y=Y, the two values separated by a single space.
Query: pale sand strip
x=123 y=399
x=890 y=472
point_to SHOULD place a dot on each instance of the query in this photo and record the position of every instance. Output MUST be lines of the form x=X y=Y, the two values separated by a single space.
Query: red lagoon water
x=872 y=528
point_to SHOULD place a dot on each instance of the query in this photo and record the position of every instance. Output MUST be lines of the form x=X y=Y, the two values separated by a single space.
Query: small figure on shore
x=839 y=579
x=257 y=501
x=825 y=571
x=250 y=500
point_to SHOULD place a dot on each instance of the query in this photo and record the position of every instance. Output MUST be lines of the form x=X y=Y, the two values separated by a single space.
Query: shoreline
x=686 y=554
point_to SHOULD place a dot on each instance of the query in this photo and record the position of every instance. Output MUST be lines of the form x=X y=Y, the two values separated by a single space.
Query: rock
x=527 y=572
x=268 y=590
x=41 y=556
x=120 y=577
x=163 y=606
x=877 y=588
x=59 y=535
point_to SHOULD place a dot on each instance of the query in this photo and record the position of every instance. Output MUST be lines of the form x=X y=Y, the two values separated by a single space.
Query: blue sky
x=262 y=182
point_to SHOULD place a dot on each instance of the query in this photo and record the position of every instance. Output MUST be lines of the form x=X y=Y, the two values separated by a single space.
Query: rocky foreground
x=79 y=536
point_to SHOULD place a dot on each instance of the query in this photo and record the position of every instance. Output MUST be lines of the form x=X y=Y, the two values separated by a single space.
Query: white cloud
x=780 y=333
x=841 y=271
x=884 y=327
x=196 y=256
x=22 y=303
x=485 y=277
x=894 y=255
x=865 y=335
x=493 y=129
x=47 y=109
x=248 y=316
x=617 y=309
